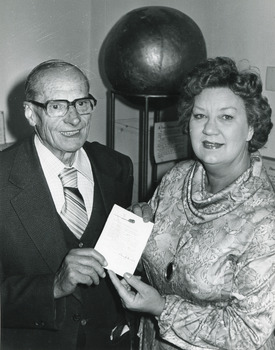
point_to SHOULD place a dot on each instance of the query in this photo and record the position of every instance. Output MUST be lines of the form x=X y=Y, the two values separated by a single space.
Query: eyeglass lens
x=60 y=108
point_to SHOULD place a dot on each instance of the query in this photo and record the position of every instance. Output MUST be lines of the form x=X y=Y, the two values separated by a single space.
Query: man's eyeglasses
x=58 y=108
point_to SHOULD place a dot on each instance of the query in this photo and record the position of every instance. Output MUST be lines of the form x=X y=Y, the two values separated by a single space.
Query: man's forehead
x=60 y=80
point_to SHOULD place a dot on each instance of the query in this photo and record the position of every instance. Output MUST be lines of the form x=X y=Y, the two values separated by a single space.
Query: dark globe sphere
x=151 y=49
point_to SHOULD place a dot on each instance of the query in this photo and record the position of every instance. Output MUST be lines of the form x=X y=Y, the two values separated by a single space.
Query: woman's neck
x=219 y=177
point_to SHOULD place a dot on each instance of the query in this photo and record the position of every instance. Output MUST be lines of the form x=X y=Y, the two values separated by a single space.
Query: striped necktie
x=73 y=211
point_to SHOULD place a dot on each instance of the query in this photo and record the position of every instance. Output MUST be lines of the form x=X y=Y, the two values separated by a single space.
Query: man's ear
x=29 y=113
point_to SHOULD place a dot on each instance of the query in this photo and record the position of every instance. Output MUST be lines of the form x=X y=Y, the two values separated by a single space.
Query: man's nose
x=72 y=116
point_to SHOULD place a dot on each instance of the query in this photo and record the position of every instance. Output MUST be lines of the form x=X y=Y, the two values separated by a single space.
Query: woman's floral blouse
x=222 y=291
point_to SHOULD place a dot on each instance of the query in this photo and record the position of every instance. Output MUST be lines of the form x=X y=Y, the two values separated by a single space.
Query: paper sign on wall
x=169 y=142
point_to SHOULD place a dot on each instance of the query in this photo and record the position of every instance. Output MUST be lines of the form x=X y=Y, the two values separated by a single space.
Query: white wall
x=244 y=29
x=35 y=30
x=105 y=13
x=240 y=29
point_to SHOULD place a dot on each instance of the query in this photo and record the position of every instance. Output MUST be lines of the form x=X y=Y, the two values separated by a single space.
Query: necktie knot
x=68 y=177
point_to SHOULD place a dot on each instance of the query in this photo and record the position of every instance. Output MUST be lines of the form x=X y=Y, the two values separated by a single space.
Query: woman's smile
x=212 y=145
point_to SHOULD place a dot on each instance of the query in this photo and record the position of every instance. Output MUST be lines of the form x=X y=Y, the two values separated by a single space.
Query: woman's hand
x=142 y=210
x=143 y=298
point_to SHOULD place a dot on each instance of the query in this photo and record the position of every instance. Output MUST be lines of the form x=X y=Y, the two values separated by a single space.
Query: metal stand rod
x=143 y=148
x=111 y=122
x=143 y=136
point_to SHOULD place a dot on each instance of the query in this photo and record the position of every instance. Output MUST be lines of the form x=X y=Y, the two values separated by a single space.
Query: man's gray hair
x=38 y=72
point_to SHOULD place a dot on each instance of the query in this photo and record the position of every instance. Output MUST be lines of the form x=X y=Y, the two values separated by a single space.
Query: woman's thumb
x=134 y=281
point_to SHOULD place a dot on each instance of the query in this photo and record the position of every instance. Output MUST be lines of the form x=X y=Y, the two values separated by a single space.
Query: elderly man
x=56 y=193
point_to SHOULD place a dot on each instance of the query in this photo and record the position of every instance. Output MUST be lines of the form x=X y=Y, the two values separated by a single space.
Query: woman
x=210 y=259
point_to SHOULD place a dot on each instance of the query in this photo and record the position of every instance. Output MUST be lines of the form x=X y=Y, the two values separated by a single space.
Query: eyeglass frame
x=45 y=105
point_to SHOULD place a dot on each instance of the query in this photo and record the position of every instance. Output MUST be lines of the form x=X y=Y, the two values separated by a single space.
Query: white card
x=123 y=240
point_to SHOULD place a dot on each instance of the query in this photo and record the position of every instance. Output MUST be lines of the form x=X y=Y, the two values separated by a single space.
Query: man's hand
x=143 y=298
x=83 y=266
x=143 y=210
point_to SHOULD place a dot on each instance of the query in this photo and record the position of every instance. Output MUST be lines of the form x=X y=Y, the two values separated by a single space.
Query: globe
x=150 y=50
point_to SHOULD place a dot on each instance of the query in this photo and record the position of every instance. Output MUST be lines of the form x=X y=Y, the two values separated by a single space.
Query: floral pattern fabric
x=222 y=291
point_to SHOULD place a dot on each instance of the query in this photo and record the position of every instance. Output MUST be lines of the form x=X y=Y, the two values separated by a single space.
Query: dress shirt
x=52 y=166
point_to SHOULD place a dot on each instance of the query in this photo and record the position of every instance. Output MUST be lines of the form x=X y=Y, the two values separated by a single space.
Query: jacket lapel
x=106 y=183
x=35 y=208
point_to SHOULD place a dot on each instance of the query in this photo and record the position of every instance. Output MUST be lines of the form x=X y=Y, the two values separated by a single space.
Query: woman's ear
x=29 y=113
x=250 y=133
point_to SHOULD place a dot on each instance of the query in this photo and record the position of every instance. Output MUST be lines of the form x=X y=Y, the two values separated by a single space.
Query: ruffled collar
x=202 y=206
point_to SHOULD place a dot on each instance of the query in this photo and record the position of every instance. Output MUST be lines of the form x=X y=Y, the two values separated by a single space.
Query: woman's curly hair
x=222 y=72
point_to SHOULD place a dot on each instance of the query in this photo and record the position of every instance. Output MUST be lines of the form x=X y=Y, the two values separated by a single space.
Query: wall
x=34 y=31
x=244 y=29
x=106 y=14
x=241 y=29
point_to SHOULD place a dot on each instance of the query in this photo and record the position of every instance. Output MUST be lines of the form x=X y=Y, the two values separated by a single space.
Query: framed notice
x=269 y=164
x=169 y=142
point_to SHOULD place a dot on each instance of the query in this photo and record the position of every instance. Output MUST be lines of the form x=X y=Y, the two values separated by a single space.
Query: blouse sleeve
x=246 y=321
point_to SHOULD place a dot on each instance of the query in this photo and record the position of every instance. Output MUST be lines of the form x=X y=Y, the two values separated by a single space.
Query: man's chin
x=72 y=145
x=73 y=149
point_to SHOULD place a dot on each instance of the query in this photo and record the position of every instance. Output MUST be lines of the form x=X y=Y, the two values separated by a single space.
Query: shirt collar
x=83 y=165
x=53 y=166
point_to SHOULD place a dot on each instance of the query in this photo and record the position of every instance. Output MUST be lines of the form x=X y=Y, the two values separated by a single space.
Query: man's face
x=63 y=136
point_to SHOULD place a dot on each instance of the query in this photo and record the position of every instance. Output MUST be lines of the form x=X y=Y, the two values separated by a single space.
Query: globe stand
x=143 y=131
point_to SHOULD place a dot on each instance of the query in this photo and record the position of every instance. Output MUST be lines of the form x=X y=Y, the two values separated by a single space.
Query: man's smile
x=70 y=133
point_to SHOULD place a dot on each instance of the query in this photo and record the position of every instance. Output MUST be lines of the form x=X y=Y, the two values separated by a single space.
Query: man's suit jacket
x=33 y=245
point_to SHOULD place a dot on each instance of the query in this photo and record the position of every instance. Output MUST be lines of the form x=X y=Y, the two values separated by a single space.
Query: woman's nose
x=210 y=127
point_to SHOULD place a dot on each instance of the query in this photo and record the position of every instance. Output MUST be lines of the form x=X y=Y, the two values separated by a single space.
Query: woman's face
x=219 y=129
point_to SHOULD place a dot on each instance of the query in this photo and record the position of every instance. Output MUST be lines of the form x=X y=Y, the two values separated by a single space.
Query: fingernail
x=127 y=275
